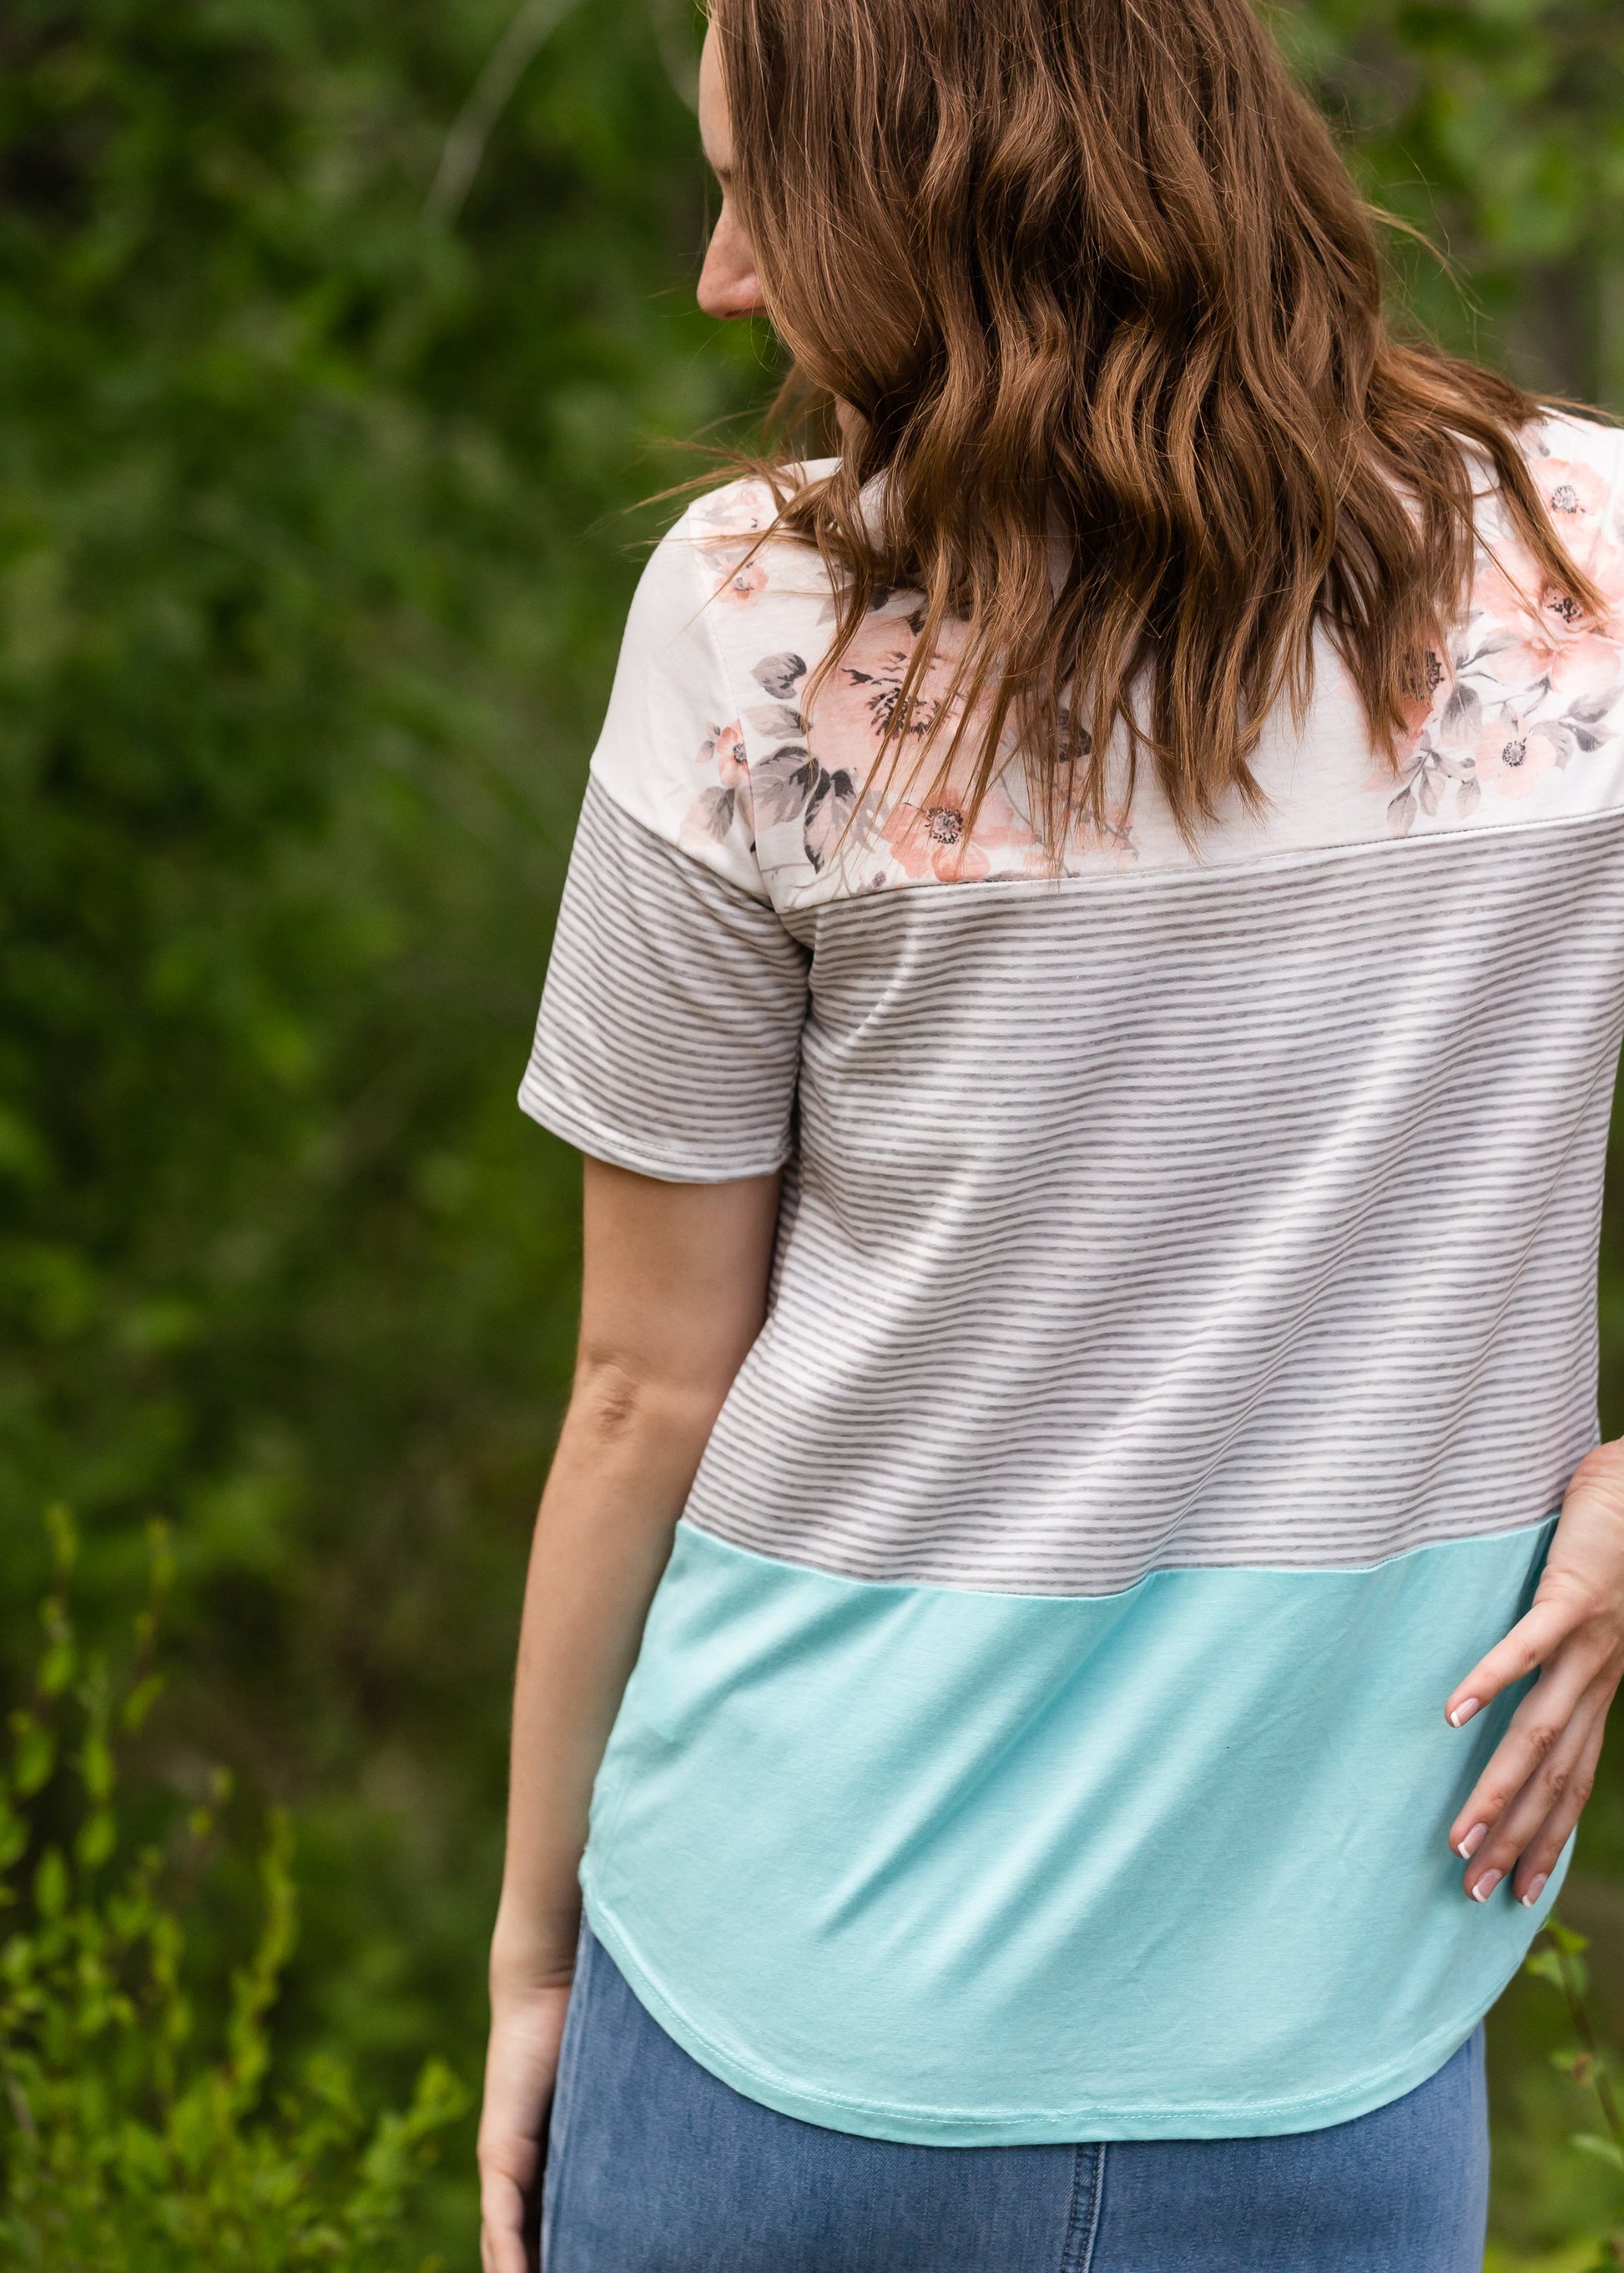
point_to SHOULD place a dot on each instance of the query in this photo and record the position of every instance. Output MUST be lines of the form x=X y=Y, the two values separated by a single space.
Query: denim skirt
x=654 y=2166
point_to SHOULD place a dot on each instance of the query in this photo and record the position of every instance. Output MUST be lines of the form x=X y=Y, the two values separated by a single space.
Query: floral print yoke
x=1528 y=690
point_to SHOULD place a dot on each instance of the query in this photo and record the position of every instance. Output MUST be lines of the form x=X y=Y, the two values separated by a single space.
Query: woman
x=1089 y=989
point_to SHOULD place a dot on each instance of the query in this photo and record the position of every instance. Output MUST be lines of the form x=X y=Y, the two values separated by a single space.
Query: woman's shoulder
x=1577 y=465
x=1577 y=462
x=1560 y=440
x=747 y=506
x=726 y=540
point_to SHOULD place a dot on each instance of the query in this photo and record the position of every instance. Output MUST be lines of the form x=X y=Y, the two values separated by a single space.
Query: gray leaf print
x=1462 y=709
x=1466 y=797
x=783 y=783
x=1590 y=710
x=776 y=718
x=828 y=811
x=713 y=810
x=1431 y=790
x=779 y=674
x=1402 y=813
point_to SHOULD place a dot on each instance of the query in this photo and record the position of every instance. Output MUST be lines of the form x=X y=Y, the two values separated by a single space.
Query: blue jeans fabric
x=655 y=2165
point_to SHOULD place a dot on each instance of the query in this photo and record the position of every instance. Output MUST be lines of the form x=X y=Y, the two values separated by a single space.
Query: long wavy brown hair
x=1095 y=271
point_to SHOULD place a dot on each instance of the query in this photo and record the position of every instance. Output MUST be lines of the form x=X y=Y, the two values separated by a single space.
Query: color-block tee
x=1182 y=1331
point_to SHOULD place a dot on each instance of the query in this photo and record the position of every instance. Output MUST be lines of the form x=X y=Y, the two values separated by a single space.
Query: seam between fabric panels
x=1053 y=2126
x=703 y=614
x=1145 y=881
x=1144 y=878
x=1305 y=1571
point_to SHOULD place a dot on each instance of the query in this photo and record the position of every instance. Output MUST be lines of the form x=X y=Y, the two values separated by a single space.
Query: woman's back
x=1182 y=1332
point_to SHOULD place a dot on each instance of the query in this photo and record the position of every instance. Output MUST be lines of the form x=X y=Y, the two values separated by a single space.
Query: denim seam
x=1077 y=2255
x=554 y=2162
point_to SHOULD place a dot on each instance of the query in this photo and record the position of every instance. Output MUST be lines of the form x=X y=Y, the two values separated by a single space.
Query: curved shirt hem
x=1083 y=2123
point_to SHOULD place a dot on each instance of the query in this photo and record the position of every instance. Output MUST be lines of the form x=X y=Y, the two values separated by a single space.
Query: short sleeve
x=669 y=1036
x=672 y=752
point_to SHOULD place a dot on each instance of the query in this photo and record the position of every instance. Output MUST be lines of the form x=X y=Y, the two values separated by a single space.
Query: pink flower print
x=742 y=509
x=858 y=700
x=727 y=526
x=1514 y=757
x=1425 y=695
x=1572 y=492
x=1559 y=646
x=712 y=816
x=1537 y=634
x=931 y=836
x=723 y=749
x=743 y=583
x=928 y=840
x=1506 y=581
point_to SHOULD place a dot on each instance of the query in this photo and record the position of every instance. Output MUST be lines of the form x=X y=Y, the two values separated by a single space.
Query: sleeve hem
x=603 y=1143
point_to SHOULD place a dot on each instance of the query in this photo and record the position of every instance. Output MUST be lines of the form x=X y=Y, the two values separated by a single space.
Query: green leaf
x=63 y=1539
x=140 y=1701
x=14 y=1835
x=50 y=1884
x=34 y=1755
x=1605 y=2150
x=97 y=1837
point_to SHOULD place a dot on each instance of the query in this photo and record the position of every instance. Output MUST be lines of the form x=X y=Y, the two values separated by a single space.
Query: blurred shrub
x=1497 y=128
x=131 y=2140
x=313 y=559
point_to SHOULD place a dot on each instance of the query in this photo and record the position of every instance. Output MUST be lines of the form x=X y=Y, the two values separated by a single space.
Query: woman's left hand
x=1530 y=1795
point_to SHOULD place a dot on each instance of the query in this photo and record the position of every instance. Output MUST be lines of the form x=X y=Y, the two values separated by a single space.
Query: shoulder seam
x=703 y=612
x=679 y=855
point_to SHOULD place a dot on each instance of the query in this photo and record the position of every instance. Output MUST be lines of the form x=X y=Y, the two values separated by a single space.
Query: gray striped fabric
x=670 y=1025
x=1236 y=1216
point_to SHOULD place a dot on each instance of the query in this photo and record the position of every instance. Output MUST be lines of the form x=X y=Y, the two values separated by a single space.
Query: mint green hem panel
x=935 y=2126
x=972 y=1869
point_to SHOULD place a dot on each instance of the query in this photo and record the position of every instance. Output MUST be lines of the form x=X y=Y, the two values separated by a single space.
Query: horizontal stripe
x=670 y=1027
x=1240 y=1216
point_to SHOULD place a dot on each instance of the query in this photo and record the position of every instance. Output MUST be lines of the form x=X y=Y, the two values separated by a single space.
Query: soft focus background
x=323 y=423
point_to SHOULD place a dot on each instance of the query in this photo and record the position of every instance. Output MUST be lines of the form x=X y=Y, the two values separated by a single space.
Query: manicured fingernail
x=1473 y=1840
x=1534 y=1889
x=1465 y=1710
x=1486 y=1885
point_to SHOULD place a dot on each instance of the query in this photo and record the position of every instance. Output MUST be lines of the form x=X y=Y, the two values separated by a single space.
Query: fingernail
x=1486 y=1885
x=1465 y=1710
x=1473 y=1840
x=1535 y=1888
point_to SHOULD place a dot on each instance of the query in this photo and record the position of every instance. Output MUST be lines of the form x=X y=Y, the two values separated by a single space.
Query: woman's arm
x=673 y=1292
x=1538 y=1777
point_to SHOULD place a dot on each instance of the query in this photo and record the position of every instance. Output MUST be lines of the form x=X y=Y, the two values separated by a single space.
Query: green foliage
x=137 y=2136
x=1496 y=127
x=1558 y=1958
x=313 y=553
x=314 y=546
